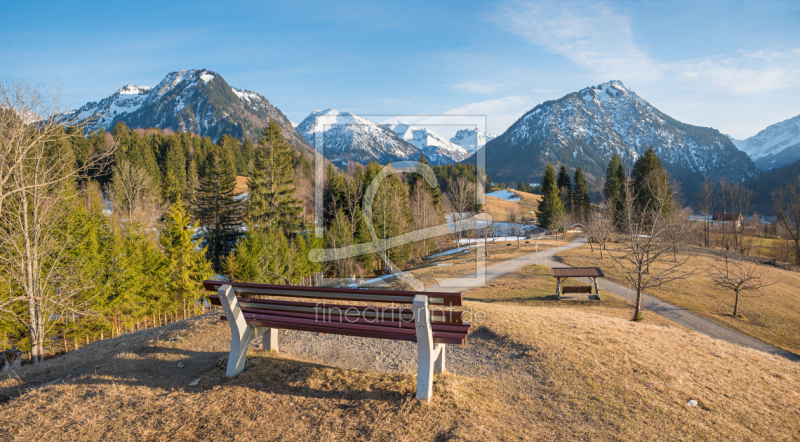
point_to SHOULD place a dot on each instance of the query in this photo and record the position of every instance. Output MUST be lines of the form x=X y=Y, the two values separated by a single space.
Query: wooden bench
x=250 y=318
x=577 y=289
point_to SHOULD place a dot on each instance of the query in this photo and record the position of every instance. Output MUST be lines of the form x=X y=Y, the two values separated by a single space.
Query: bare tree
x=741 y=199
x=514 y=223
x=461 y=198
x=644 y=237
x=739 y=277
x=786 y=204
x=32 y=121
x=597 y=229
x=706 y=200
x=38 y=193
x=134 y=199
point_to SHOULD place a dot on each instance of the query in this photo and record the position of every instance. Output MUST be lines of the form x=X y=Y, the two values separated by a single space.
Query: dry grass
x=600 y=378
x=498 y=208
x=568 y=375
x=534 y=286
x=772 y=315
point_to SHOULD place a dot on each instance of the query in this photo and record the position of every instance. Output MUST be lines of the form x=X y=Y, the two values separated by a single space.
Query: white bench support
x=430 y=357
x=241 y=333
x=270 y=340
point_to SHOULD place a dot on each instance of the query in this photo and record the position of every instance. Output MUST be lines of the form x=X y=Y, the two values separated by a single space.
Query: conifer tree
x=647 y=174
x=612 y=185
x=271 y=200
x=187 y=264
x=217 y=210
x=192 y=181
x=550 y=205
x=580 y=194
x=565 y=188
x=175 y=162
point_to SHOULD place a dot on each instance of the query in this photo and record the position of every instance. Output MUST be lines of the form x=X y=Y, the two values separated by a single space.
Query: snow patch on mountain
x=775 y=146
x=437 y=149
x=183 y=102
x=347 y=137
x=471 y=139
x=587 y=127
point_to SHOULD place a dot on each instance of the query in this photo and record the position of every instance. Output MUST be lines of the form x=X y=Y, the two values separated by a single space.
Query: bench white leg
x=430 y=356
x=270 y=340
x=241 y=333
x=438 y=365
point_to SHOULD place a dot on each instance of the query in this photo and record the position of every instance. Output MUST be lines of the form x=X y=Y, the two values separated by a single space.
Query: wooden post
x=596 y=288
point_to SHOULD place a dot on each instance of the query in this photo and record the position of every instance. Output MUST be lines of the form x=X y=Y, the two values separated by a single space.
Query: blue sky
x=734 y=66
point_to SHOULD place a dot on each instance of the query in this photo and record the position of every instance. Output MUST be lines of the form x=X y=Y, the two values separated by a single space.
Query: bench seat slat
x=345 y=329
x=368 y=295
x=450 y=317
x=463 y=328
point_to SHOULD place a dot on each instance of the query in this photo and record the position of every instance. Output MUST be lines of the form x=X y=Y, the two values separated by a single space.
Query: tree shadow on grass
x=171 y=368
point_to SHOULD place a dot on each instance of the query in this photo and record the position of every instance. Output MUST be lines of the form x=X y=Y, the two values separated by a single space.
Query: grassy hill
x=560 y=372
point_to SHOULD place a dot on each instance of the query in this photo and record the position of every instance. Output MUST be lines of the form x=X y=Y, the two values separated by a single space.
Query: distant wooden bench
x=431 y=329
x=577 y=289
x=592 y=273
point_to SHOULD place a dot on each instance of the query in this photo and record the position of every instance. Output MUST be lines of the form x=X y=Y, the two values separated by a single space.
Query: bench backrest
x=445 y=299
x=576 y=289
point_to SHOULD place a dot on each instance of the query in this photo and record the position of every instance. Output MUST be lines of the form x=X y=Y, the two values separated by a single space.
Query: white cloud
x=590 y=34
x=596 y=36
x=478 y=88
x=500 y=112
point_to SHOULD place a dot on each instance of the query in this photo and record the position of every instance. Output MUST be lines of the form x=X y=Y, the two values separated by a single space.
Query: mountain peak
x=587 y=127
x=194 y=100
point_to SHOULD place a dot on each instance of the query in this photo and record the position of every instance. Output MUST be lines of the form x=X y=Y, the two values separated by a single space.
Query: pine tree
x=565 y=188
x=550 y=205
x=175 y=162
x=217 y=210
x=418 y=179
x=581 y=203
x=649 y=178
x=192 y=181
x=271 y=200
x=612 y=186
x=186 y=260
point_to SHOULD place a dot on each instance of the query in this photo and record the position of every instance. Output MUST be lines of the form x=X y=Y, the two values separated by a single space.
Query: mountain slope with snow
x=349 y=138
x=437 y=149
x=197 y=100
x=587 y=127
x=471 y=139
x=775 y=146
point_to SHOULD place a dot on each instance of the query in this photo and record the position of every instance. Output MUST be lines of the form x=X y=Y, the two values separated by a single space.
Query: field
x=771 y=315
x=498 y=208
x=458 y=264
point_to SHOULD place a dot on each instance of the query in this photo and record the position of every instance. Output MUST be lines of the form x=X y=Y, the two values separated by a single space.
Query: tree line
x=106 y=232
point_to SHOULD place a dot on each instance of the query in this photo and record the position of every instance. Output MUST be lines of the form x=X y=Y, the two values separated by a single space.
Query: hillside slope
x=548 y=373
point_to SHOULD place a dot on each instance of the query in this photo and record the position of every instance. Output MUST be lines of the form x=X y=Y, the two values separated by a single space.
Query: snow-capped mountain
x=437 y=149
x=586 y=128
x=775 y=146
x=349 y=138
x=197 y=100
x=471 y=139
